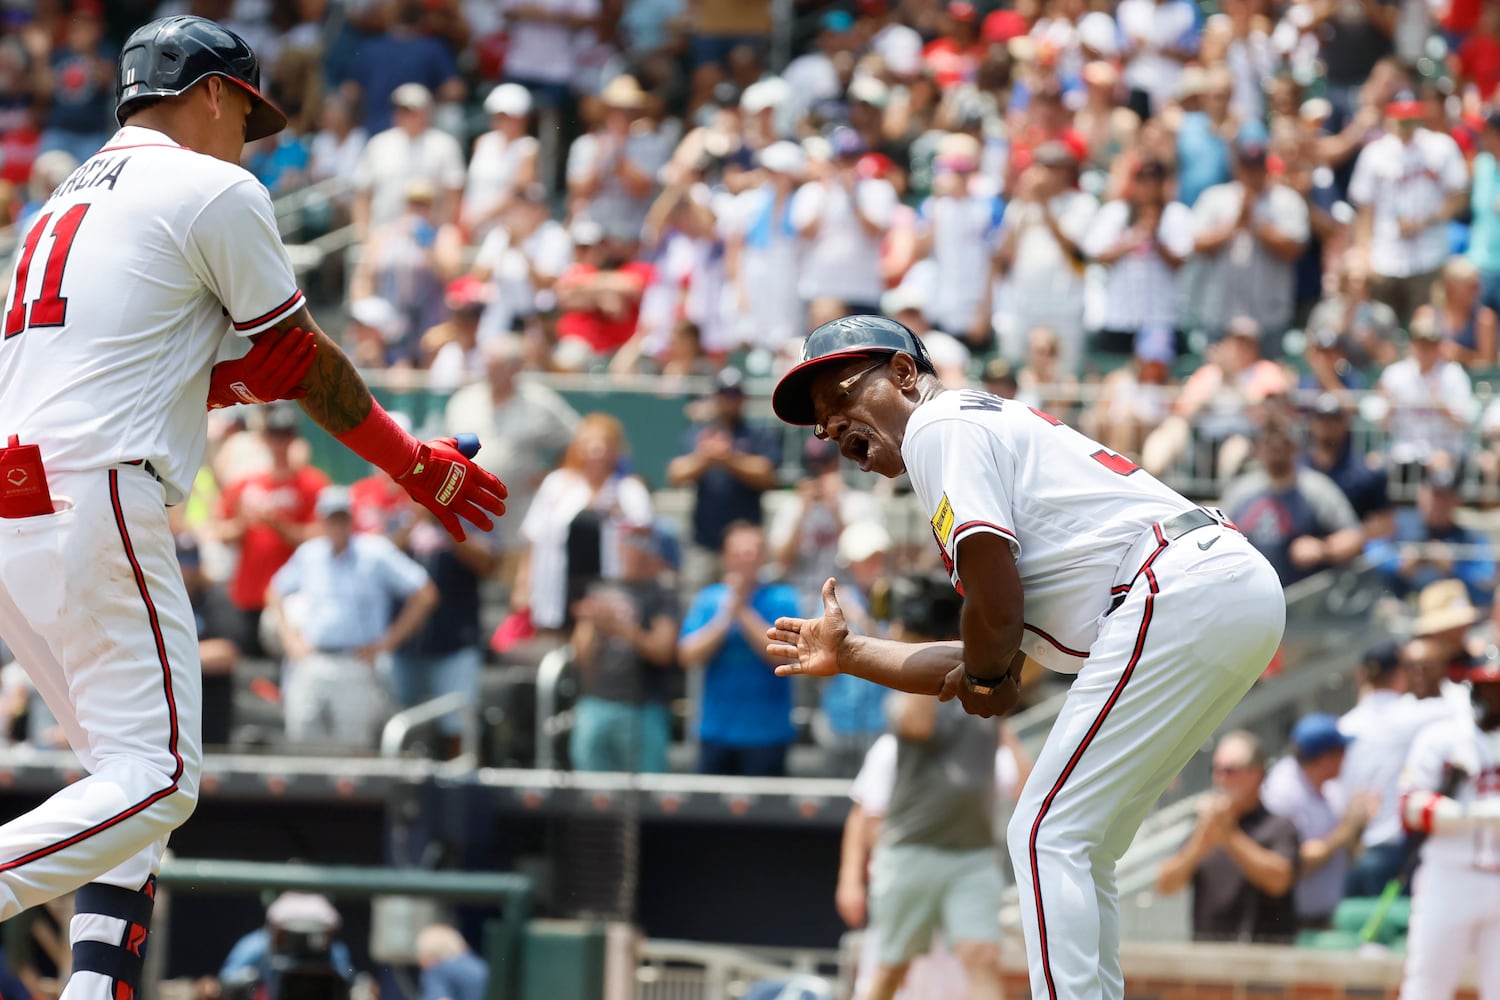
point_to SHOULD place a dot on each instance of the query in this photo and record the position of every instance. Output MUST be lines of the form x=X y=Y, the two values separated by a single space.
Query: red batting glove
x=448 y=484
x=272 y=369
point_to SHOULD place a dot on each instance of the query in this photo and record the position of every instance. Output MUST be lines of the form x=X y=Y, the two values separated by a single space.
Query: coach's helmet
x=832 y=343
x=167 y=56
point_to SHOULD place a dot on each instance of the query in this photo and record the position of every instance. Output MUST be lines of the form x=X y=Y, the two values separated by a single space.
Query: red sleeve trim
x=1427 y=812
x=272 y=316
x=971 y=525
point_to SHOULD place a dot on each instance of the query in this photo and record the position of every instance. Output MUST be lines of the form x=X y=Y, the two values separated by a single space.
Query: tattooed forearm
x=337 y=398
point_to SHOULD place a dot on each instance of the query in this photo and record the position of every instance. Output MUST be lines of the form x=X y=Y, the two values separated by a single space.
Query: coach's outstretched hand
x=813 y=643
x=443 y=480
x=273 y=368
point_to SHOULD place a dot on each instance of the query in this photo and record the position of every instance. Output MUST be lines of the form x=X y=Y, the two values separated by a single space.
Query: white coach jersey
x=125 y=287
x=1071 y=509
x=1459 y=743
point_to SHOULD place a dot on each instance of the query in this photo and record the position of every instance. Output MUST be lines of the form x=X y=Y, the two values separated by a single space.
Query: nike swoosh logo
x=1205 y=546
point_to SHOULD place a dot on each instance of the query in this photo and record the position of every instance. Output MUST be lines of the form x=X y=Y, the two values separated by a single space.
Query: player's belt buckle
x=1174 y=528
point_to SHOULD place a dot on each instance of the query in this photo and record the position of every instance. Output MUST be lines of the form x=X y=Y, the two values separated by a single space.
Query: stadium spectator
x=1040 y=254
x=1294 y=515
x=1368 y=331
x=252 y=962
x=1157 y=38
x=403 y=55
x=1141 y=240
x=267 y=515
x=1408 y=185
x=504 y=160
x=842 y=216
x=730 y=463
x=1205 y=132
x=1484 y=209
x=598 y=297
x=450 y=350
x=522 y=257
x=1444 y=617
x=545 y=37
x=853 y=708
x=450 y=970
x=1431 y=403
x=571 y=528
x=762 y=252
x=625 y=644
x=1328 y=368
x=1467 y=325
x=745 y=715
x=814 y=76
x=407 y=262
x=442 y=656
x=1240 y=859
x=683 y=240
x=1220 y=405
x=374 y=326
x=1134 y=400
x=334 y=153
x=343 y=603
x=804 y=533
x=1302 y=787
x=410 y=150
x=1043 y=382
x=1381 y=727
x=78 y=79
x=523 y=424
x=1328 y=447
x=612 y=169
x=957 y=224
x=1249 y=234
x=1429 y=545
x=1239 y=37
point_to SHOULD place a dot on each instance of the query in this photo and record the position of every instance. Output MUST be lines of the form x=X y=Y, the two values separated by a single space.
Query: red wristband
x=380 y=441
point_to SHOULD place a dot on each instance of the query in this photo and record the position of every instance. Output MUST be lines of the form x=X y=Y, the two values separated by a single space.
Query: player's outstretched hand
x=811 y=643
x=273 y=368
x=443 y=480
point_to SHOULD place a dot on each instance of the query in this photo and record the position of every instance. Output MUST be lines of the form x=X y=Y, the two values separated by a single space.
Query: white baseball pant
x=93 y=605
x=1196 y=627
x=1455 y=913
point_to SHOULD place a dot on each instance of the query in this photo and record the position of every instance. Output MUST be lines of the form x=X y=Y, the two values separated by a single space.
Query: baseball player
x=1065 y=552
x=1450 y=793
x=157 y=255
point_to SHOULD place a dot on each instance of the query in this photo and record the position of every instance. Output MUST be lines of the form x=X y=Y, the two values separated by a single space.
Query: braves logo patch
x=942 y=521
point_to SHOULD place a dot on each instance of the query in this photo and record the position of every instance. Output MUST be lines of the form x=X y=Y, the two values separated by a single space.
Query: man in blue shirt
x=450 y=971
x=1330 y=450
x=1484 y=200
x=401 y=55
x=745 y=721
x=344 y=603
x=1428 y=545
x=730 y=463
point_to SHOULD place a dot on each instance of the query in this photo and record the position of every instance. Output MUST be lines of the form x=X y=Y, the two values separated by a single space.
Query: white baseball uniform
x=1167 y=623
x=1455 y=907
x=139 y=267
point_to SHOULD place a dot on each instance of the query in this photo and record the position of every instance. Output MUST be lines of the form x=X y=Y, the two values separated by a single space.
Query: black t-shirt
x=1352 y=45
x=454 y=623
x=617 y=672
x=722 y=498
x=1226 y=907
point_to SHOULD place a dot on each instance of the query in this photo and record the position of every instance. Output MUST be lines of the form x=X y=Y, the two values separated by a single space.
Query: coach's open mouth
x=856 y=448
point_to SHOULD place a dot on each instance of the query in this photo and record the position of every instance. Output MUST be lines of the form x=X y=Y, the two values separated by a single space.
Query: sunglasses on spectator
x=1230 y=770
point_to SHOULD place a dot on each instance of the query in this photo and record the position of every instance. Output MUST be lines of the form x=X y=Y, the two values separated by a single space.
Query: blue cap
x=1317 y=734
x=837 y=20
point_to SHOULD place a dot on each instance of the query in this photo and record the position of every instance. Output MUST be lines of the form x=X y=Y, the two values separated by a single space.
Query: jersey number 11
x=49 y=308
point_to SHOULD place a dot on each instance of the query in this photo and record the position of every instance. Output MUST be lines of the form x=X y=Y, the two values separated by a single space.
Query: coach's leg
x=1189 y=637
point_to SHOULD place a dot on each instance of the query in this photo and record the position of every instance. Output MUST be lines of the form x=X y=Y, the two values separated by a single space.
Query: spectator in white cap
x=409 y=150
x=303 y=913
x=504 y=160
x=763 y=252
x=612 y=170
x=761 y=106
x=956 y=226
x=804 y=534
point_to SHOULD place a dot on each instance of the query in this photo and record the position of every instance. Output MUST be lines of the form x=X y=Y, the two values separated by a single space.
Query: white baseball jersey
x=1070 y=508
x=1462 y=744
x=138 y=267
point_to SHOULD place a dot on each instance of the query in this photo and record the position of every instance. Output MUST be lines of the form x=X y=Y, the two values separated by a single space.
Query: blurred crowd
x=1252 y=246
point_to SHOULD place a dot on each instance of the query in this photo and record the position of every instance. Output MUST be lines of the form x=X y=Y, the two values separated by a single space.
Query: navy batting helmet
x=835 y=342
x=169 y=55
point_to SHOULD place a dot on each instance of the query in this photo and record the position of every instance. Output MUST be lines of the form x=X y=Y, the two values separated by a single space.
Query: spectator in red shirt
x=268 y=514
x=599 y=297
x=1479 y=54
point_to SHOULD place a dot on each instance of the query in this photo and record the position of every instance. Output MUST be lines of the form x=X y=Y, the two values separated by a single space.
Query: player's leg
x=1187 y=642
x=1442 y=934
x=122 y=639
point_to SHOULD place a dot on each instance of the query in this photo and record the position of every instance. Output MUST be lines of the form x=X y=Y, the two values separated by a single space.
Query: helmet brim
x=265 y=117
x=791 y=400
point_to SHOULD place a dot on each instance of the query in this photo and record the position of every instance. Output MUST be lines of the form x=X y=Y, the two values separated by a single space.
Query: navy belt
x=150 y=469
x=1174 y=528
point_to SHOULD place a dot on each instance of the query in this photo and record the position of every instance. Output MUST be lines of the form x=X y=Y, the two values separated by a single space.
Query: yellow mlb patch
x=942 y=521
